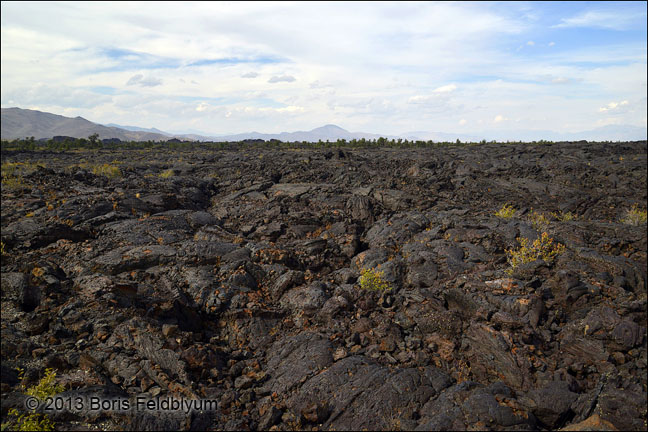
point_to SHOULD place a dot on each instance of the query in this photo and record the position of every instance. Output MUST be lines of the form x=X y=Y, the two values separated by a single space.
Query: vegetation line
x=94 y=143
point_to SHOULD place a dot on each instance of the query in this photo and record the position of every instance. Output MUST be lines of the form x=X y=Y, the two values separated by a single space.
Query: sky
x=231 y=67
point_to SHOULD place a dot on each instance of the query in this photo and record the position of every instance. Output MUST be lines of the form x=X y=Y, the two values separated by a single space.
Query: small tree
x=94 y=139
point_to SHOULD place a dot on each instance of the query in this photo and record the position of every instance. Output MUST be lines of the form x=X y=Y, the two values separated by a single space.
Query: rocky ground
x=234 y=276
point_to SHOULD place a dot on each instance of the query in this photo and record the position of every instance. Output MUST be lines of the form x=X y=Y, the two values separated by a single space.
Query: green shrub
x=27 y=422
x=634 y=216
x=166 y=174
x=372 y=280
x=46 y=386
x=539 y=220
x=506 y=212
x=564 y=217
x=542 y=248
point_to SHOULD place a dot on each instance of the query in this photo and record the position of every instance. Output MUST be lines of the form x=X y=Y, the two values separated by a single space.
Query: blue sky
x=375 y=67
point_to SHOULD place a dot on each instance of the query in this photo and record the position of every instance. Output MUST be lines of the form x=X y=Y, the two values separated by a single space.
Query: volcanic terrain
x=244 y=277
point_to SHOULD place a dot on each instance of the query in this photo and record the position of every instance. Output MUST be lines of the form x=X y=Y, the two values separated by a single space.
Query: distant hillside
x=328 y=132
x=20 y=123
x=138 y=129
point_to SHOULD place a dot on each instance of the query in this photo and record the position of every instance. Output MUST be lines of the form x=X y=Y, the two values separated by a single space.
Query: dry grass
x=107 y=170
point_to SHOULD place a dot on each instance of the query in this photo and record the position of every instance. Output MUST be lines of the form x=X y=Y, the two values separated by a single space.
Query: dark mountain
x=20 y=123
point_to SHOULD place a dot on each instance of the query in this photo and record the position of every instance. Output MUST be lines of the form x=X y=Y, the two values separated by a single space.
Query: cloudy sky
x=389 y=68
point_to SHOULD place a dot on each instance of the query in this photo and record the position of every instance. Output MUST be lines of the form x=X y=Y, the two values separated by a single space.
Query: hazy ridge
x=20 y=123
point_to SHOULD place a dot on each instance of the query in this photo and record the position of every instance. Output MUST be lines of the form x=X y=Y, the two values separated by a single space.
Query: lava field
x=329 y=288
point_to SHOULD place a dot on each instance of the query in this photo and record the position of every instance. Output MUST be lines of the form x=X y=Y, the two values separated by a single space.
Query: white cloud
x=42 y=94
x=439 y=96
x=462 y=122
x=134 y=79
x=142 y=81
x=282 y=78
x=560 y=80
x=338 y=81
x=446 y=88
x=606 y=19
x=613 y=106
x=319 y=85
x=202 y=107
x=530 y=43
x=418 y=99
x=499 y=119
x=290 y=109
x=437 y=99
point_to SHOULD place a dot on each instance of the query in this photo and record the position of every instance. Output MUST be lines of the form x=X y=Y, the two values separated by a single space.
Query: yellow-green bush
x=372 y=280
x=13 y=182
x=9 y=169
x=506 y=212
x=539 y=220
x=46 y=387
x=12 y=174
x=564 y=216
x=635 y=216
x=542 y=248
x=27 y=422
x=166 y=174
x=107 y=170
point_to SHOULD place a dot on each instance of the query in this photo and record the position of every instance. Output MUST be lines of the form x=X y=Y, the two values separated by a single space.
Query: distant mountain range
x=328 y=132
x=20 y=123
x=138 y=129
